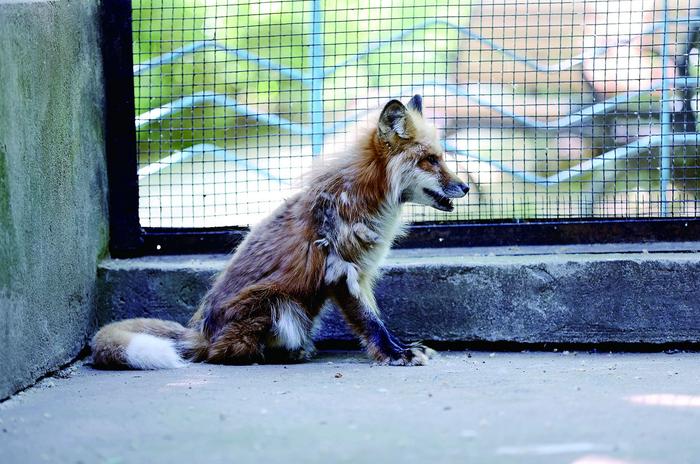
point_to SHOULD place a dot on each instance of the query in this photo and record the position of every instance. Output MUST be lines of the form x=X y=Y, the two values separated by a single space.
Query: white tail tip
x=150 y=352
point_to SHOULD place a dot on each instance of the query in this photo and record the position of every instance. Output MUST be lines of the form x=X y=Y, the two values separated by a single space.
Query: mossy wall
x=53 y=221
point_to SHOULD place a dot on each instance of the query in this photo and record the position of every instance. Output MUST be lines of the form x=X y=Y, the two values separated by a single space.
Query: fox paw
x=428 y=352
x=284 y=356
x=306 y=353
x=415 y=354
x=322 y=243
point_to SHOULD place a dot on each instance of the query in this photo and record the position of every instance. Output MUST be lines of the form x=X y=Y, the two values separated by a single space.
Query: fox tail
x=146 y=344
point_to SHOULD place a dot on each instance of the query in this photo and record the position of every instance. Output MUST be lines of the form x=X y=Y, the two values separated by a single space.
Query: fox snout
x=456 y=189
x=442 y=200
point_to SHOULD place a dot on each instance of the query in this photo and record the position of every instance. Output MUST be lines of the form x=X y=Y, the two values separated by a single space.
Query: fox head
x=416 y=164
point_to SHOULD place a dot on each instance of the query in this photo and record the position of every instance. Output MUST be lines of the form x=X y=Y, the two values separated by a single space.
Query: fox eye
x=432 y=159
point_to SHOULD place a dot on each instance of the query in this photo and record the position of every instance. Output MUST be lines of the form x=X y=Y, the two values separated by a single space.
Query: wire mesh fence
x=549 y=109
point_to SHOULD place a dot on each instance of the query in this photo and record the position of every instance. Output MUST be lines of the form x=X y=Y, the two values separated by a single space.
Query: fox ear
x=393 y=122
x=416 y=103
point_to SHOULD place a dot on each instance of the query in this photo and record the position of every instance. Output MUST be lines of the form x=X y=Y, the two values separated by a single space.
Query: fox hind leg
x=240 y=342
x=290 y=337
x=259 y=323
x=238 y=328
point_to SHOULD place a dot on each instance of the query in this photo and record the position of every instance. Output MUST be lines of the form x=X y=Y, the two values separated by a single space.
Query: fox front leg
x=383 y=346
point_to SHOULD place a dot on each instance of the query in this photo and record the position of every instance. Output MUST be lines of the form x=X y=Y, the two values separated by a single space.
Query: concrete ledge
x=526 y=295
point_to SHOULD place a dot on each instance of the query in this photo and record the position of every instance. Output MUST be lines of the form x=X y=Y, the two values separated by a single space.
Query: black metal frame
x=126 y=234
x=451 y=234
x=128 y=238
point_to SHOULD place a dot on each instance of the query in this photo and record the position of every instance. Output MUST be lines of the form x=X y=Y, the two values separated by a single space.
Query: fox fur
x=324 y=243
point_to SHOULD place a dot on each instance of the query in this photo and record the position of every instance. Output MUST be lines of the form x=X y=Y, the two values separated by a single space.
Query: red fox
x=324 y=243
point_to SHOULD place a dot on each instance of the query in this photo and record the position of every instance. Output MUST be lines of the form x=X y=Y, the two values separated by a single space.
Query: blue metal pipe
x=563 y=65
x=666 y=129
x=575 y=119
x=223 y=101
x=317 y=73
x=572 y=62
x=206 y=149
x=173 y=55
x=636 y=148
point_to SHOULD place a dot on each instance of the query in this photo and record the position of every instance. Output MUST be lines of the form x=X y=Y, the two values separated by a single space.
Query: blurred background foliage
x=279 y=31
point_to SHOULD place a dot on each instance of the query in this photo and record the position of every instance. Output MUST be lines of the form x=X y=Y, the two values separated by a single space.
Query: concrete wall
x=53 y=225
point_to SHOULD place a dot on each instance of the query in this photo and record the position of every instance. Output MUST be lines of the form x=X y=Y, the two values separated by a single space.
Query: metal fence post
x=317 y=76
x=666 y=129
x=126 y=235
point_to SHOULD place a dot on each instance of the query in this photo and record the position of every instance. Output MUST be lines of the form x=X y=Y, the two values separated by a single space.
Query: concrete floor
x=481 y=407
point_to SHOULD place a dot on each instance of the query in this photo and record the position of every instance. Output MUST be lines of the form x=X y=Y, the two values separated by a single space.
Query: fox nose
x=456 y=189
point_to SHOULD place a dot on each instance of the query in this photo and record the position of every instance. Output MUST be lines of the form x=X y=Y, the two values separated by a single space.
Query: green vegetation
x=279 y=31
